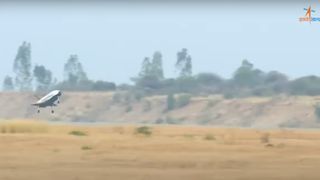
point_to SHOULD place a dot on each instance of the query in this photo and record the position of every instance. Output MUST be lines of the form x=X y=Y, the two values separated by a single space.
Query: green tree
x=247 y=76
x=186 y=84
x=156 y=65
x=75 y=78
x=104 y=86
x=148 y=82
x=43 y=77
x=150 y=73
x=308 y=85
x=22 y=67
x=276 y=81
x=73 y=71
x=8 y=84
x=184 y=63
x=146 y=68
x=208 y=79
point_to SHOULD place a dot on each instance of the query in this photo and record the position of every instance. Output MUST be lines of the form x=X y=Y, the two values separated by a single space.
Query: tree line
x=39 y=78
x=247 y=80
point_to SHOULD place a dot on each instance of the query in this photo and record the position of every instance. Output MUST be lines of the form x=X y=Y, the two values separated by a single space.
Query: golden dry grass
x=23 y=126
x=170 y=152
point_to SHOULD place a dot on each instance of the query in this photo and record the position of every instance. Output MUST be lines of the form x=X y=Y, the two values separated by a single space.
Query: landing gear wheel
x=38 y=110
x=52 y=111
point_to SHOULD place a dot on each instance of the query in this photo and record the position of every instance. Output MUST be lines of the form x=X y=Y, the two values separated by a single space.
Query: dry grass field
x=39 y=151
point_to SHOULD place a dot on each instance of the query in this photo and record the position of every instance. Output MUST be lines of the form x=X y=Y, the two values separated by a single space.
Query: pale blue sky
x=111 y=40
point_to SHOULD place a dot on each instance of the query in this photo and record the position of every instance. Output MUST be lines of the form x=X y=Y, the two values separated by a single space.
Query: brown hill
x=269 y=112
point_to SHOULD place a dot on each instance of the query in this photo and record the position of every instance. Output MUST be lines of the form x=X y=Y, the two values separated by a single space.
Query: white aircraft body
x=51 y=99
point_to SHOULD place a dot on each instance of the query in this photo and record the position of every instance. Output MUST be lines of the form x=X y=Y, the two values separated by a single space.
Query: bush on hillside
x=317 y=111
x=183 y=100
x=171 y=101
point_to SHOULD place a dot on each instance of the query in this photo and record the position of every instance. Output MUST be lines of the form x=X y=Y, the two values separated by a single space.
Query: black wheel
x=52 y=111
x=38 y=110
x=58 y=102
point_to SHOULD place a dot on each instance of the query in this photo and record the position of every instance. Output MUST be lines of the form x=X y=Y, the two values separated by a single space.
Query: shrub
x=171 y=120
x=209 y=137
x=116 y=98
x=146 y=106
x=144 y=130
x=212 y=102
x=171 y=101
x=127 y=98
x=159 y=121
x=228 y=95
x=86 y=148
x=317 y=111
x=138 y=96
x=128 y=108
x=183 y=100
x=78 y=133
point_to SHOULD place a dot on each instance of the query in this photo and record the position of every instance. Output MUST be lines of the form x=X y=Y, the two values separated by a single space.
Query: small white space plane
x=51 y=99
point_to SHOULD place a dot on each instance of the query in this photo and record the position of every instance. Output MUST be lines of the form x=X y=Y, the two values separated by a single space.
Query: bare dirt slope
x=213 y=110
x=170 y=152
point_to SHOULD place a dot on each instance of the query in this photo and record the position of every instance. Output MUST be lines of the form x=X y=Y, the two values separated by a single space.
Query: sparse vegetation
x=128 y=108
x=265 y=138
x=78 y=133
x=183 y=100
x=23 y=127
x=171 y=102
x=144 y=130
x=86 y=147
x=189 y=136
x=212 y=102
x=317 y=111
x=116 y=98
x=209 y=137
x=159 y=121
x=268 y=145
x=138 y=96
x=127 y=98
x=228 y=95
x=181 y=148
x=171 y=120
x=146 y=106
